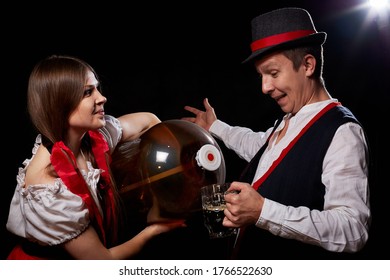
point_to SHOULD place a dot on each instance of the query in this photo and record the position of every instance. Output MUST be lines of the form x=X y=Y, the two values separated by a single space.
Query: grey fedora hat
x=282 y=29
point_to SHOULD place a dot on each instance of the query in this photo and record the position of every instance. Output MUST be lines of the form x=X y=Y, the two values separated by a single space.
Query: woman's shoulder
x=41 y=199
x=37 y=171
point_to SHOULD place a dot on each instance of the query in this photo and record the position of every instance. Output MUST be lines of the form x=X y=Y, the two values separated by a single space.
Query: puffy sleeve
x=112 y=132
x=47 y=214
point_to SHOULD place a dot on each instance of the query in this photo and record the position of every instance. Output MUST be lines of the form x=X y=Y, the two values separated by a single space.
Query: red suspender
x=257 y=184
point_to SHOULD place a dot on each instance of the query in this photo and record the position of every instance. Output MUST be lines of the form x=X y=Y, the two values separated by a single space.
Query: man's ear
x=309 y=63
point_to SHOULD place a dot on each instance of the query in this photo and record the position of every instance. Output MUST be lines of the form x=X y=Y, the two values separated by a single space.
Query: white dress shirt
x=344 y=223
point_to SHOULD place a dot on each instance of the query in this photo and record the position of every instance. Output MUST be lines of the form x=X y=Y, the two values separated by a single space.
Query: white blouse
x=51 y=214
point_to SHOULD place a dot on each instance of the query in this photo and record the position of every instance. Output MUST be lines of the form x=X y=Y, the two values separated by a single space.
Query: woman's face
x=89 y=114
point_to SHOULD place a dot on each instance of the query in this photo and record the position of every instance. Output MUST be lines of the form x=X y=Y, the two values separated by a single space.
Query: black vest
x=296 y=181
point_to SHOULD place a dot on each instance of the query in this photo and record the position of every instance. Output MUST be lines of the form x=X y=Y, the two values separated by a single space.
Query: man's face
x=290 y=88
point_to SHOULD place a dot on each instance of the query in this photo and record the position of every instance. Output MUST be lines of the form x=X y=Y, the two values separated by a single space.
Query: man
x=305 y=192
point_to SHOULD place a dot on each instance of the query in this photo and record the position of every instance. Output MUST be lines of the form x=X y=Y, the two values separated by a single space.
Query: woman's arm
x=134 y=124
x=88 y=246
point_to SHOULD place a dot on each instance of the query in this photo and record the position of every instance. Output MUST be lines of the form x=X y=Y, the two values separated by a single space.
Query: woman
x=65 y=201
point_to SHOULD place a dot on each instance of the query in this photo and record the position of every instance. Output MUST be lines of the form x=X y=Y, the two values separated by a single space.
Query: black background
x=160 y=57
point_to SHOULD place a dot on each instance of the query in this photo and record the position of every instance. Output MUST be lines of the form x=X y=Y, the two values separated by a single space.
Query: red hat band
x=279 y=38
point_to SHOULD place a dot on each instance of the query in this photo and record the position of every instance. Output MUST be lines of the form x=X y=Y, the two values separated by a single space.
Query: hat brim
x=316 y=39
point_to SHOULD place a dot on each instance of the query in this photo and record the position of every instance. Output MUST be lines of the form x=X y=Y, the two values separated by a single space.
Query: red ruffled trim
x=64 y=163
